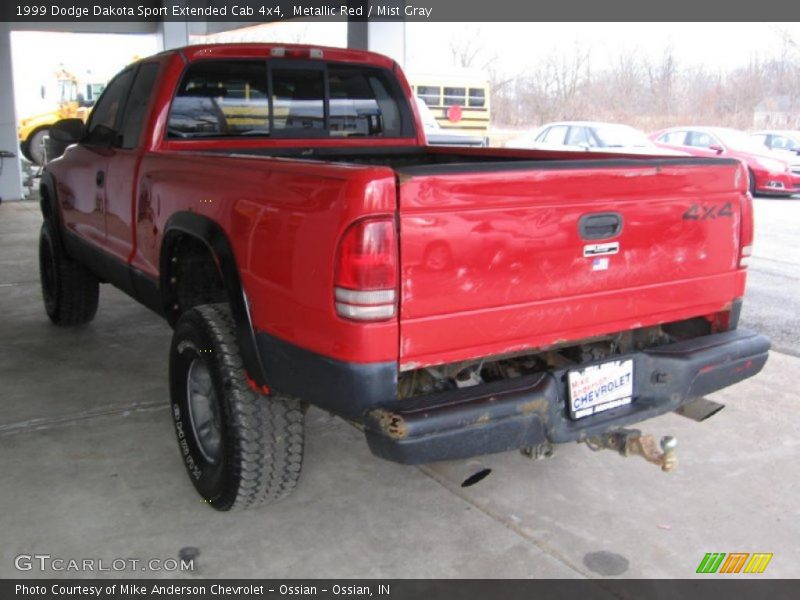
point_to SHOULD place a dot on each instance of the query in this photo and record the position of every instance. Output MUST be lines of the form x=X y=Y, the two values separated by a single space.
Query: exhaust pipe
x=700 y=409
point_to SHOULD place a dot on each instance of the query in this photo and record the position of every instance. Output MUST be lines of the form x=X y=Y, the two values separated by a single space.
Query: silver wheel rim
x=204 y=410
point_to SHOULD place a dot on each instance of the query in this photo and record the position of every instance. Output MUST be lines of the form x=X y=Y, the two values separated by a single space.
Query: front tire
x=69 y=290
x=240 y=448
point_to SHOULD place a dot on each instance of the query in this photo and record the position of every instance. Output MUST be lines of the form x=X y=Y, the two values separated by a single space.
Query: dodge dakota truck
x=277 y=204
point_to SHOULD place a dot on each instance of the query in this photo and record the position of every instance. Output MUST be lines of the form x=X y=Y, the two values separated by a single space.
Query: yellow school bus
x=457 y=101
x=71 y=98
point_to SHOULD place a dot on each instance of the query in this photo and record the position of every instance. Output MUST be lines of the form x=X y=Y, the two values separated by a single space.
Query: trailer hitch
x=629 y=442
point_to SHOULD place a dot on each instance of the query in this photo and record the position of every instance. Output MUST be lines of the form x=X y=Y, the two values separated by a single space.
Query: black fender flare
x=48 y=198
x=210 y=233
x=48 y=204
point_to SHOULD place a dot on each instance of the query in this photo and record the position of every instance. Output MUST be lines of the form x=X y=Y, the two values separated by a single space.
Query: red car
x=769 y=174
x=279 y=207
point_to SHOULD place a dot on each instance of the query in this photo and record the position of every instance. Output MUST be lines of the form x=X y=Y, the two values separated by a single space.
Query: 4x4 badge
x=701 y=212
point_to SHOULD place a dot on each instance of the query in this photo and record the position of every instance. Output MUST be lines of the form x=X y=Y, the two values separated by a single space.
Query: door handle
x=600 y=226
x=100 y=178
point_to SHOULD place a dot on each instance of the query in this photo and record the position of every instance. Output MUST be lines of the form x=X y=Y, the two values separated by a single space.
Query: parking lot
x=90 y=466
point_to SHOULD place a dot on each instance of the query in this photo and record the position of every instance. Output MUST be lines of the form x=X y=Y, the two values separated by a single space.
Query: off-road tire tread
x=79 y=288
x=267 y=430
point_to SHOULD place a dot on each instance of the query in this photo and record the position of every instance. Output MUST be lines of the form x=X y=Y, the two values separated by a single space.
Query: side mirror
x=68 y=131
x=716 y=148
x=62 y=134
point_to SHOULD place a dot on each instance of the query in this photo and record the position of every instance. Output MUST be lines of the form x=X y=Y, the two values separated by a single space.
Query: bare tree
x=650 y=93
x=469 y=51
x=661 y=78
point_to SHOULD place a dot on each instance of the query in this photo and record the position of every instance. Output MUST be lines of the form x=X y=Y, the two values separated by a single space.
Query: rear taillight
x=366 y=271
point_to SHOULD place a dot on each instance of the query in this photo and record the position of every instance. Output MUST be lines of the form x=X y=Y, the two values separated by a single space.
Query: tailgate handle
x=600 y=226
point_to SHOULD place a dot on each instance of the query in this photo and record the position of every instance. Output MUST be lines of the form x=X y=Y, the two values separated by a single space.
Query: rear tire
x=752 y=185
x=34 y=147
x=240 y=448
x=69 y=290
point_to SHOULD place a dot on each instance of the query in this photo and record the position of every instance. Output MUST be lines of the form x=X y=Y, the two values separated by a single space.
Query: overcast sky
x=723 y=46
x=715 y=45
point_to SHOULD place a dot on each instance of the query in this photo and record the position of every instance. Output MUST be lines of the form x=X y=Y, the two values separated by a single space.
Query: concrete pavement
x=773 y=284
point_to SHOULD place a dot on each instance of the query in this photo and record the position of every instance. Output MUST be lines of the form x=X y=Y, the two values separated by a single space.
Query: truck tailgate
x=499 y=258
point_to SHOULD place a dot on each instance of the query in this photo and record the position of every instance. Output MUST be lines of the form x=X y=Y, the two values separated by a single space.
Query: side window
x=103 y=120
x=136 y=106
x=477 y=97
x=455 y=95
x=430 y=94
x=556 y=135
x=780 y=142
x=674 y=138
x=761 y=138
x=542 y=135
x=698 y=139
x=578 y=136
x=93 y=91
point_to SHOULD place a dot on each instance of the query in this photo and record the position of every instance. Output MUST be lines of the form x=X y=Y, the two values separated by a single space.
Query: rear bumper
x=531 y=410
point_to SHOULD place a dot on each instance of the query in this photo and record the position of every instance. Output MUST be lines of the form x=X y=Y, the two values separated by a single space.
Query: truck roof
x=276 y=50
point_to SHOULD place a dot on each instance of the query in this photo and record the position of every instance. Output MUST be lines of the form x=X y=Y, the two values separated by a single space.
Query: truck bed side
x=283 y=219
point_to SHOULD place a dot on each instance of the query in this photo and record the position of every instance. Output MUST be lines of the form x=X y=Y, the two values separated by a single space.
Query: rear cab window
x=284 y=98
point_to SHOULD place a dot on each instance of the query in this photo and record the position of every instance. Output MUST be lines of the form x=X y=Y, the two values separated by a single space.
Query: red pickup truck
x=279 y=207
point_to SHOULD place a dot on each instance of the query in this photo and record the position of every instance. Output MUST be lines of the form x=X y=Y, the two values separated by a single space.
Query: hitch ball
x=669 y=444
x=630 y=442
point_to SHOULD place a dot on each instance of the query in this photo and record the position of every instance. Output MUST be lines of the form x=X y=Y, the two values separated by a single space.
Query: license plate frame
x=600 y=387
